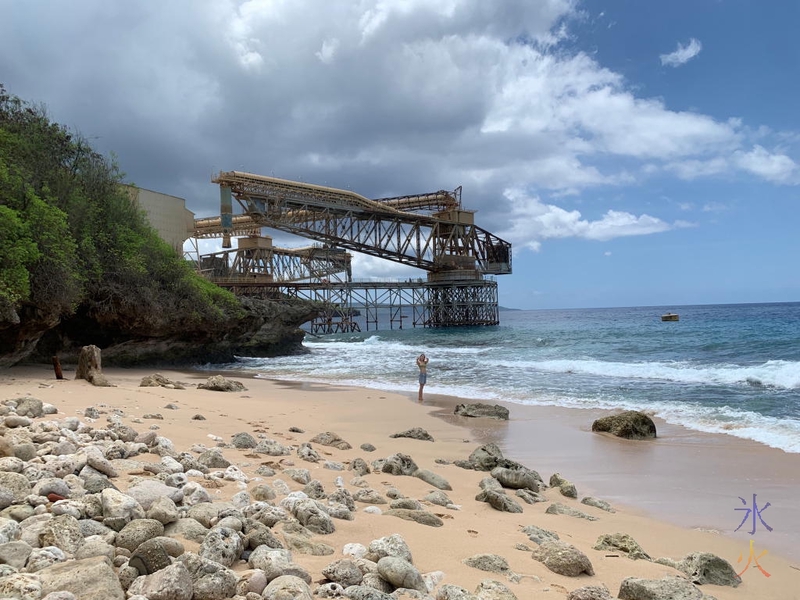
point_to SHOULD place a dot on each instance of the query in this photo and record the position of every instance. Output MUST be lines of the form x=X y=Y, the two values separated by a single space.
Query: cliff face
x=264 y=328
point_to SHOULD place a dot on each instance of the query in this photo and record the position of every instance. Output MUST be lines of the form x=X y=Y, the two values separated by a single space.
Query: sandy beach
x=546 y=440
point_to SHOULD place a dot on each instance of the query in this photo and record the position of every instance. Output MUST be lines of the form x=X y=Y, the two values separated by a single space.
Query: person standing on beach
x=422 y=363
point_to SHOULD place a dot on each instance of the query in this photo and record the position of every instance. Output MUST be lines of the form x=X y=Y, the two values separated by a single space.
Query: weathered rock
x=89 y=579
x=563 y=558
x=222 y=545
x=399 y=464
x=302 y=476
x=328 y=438
x=530 y=497
x=489 y=589
x=453 y=592
x=163 y=510
x=401 y=573
x=590 y=592
x=479 y=409
x=556 y=508
x=9 y=530
x=668 y=588
x=517 y=479
x=486 y=457
x=119 y=509
x=213 y=459
x=597 y=503
x=170 y=583
x=499 y=501
x=16 y=484
x=704 y=567
x=62 y=531
x=210 y=580
x=304 y=545
x=29 y=407
x=20 y=586
x=343 y=571
x=287 y=587
x=366 y=592
x=488 y=562
x=243 y=440
x=419 y=516
x=136 y=532
x=621 y=542
x=149 y=557
x=188 y=528
x=218 y=383
x=369 y=496
x=275 y=563
x=538 y=535
x=312 y=517
x=41 y=558
x=432 y=478
x=438 y=498
x=415 y=433
x=15 y=553
x=631 y=424
x=390 y=545
x=89 y=367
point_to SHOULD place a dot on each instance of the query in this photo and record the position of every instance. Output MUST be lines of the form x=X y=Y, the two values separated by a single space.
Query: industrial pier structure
x=429 y=231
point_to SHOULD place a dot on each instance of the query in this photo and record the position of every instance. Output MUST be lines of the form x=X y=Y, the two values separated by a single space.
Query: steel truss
x=396 y=304
x=348 y=220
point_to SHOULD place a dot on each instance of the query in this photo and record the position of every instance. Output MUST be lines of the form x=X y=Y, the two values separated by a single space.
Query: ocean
x=728 y=369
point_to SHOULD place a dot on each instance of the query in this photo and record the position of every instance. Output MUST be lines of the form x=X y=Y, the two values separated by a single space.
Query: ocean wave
x=773 y=373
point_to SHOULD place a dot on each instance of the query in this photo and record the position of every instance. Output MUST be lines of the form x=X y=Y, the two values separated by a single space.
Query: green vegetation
x=73 y=243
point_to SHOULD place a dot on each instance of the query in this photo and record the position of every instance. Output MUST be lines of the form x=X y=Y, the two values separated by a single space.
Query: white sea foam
x=774 y=373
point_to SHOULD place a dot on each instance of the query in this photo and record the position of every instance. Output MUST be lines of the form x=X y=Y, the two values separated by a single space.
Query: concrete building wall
x=167 y=214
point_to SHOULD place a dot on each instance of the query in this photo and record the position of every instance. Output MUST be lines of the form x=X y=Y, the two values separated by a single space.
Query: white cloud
x=682 y=54
x=533 y=221
x=607 y=253
x=777 y=168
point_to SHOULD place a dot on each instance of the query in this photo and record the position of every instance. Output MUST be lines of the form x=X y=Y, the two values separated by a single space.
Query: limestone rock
x=63 y=532
x=89 y=579
x=704 y=567
x=597 y=503
x=499 y=501
x=415 y=433
x=15 y=483
x=668 y=588
x=30 y=407
x=243 y=440
x=631 y=424
x=538 y=535
x=419 y=516
x=287 y=587
x=170 y=583
x=563 y=558
x=556 y=508
x=516 y=479
x=343 y=571
x=479 y=409
x=399 y=464
x=621 y=542
x=401 y=573
x=136 y=532
x=328 y=438
x=390 y=545
x=20 y=586
x=432 y=478
x=590 y=592
x=222 y=545
x=218 y=383
x=488 y=562
x=489 y=589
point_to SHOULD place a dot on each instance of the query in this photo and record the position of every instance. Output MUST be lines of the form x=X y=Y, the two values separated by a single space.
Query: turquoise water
x=731 y=369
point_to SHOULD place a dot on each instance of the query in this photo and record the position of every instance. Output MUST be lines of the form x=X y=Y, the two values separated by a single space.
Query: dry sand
x=367 y=416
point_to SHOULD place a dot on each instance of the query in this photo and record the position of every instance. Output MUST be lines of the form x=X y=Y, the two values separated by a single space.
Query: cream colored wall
x=167 y=214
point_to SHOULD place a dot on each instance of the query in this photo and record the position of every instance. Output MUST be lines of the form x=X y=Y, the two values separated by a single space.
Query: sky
x=634 y=153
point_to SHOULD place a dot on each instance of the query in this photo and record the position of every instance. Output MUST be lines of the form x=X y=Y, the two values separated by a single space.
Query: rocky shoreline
x=103 y=506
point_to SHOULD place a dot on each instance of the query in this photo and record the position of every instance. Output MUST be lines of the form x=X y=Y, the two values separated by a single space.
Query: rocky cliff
x=263 y=328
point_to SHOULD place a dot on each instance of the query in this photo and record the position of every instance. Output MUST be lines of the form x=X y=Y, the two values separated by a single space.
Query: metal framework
x=429 y=231
x=446 y=241
x=351 y=306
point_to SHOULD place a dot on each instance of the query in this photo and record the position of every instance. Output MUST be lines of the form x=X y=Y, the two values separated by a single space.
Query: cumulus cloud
x=534 y=221
x=682 y=54
x=383 y=97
